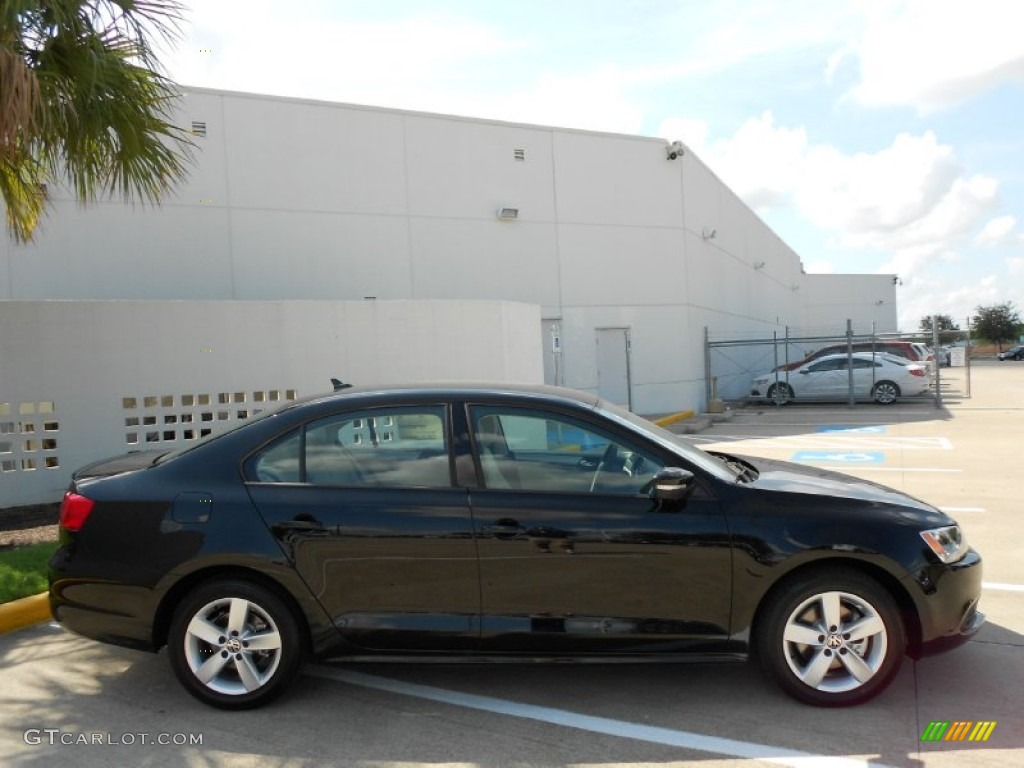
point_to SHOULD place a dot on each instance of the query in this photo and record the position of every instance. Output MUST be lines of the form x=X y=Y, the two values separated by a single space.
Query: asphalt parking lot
x=68 y=701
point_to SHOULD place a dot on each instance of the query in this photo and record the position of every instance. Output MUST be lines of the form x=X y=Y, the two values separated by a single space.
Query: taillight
x=74 y=511
x=917 y=372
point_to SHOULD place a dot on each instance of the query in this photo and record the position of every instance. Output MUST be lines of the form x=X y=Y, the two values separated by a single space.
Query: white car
x=879 y=376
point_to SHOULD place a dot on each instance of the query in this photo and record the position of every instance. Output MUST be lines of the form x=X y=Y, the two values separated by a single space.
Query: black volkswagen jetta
x=500 y=522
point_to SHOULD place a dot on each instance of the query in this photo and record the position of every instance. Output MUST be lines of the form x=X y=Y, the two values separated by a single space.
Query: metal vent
x=519 y=154
x=198 y=128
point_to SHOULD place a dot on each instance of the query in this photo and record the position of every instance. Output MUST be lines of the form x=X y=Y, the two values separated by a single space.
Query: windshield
x=666 y=439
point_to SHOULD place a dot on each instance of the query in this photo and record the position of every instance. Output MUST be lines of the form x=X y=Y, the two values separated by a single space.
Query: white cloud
x=312 y=52
x=820 y=268
x=692 y=132
x=932 y=54
x=1015 y=265
x=948 y=297
x=911 y=199
x=996 y=231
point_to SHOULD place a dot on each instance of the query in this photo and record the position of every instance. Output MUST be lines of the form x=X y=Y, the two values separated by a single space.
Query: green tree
x=83 y=103
x=998 y=323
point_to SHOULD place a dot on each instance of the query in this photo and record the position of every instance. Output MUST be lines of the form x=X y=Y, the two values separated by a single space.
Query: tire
x=212 y=652
x=803 y=646
x=885 y=393
x=780 y=394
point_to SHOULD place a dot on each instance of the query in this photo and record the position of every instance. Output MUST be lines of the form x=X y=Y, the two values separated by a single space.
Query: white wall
x=67 y=366
x=293 y=199
x=869 y=301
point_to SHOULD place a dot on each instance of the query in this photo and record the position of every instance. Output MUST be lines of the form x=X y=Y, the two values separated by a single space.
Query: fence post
x=938 y=363
x=707 y=368
x=849 y=357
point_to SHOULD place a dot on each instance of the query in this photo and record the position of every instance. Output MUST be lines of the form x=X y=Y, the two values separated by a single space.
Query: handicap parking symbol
x=840 y=457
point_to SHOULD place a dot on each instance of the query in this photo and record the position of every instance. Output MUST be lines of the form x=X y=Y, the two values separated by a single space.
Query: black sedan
x=1013 y=353
x=500 y=522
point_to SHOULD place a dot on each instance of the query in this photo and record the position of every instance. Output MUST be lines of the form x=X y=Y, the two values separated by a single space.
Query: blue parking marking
x=870 y=430
x=847 y=457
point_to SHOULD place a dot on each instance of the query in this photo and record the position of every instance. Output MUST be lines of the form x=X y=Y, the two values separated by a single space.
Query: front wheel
x=832 y=639
x=234 y=644
x=781 y=393
x=885 y=393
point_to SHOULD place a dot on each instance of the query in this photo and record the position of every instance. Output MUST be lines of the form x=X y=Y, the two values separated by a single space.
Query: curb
x=664 y=421
x=24 y=612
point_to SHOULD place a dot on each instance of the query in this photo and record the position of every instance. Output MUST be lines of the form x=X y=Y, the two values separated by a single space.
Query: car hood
x=787 y=477
x=118 y=464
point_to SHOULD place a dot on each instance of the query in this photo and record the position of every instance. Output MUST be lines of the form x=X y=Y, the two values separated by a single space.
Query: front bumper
x=947 y=602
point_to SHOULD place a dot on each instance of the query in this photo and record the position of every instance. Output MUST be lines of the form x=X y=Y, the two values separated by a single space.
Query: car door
x=826 y=379
x=575 y=556
x=363 y=504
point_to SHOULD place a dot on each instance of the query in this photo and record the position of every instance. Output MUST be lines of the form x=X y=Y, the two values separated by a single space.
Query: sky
x=874 y=136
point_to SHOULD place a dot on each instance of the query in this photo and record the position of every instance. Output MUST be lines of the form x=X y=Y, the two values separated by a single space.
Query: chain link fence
x=848 y=365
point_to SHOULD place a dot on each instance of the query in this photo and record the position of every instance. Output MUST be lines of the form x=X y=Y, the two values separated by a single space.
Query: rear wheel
x=831 y=639
x=781 y=393
x=234 y=644
x=885 y=393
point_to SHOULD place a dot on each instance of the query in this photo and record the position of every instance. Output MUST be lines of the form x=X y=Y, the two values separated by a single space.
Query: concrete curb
x=672 y=418
x=24 y=612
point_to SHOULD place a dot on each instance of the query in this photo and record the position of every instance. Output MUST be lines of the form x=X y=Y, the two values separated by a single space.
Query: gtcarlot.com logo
x=58 y=737
x=958 y=730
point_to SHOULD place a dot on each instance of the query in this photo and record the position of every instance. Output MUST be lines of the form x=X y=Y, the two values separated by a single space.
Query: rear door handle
x=299 y=525
x=505 y=528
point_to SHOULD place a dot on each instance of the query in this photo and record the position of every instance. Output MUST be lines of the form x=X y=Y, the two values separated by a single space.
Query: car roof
x=880 y=354
x=452 y=390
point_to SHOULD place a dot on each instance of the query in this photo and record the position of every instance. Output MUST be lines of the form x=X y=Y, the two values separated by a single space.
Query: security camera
x=674 y=150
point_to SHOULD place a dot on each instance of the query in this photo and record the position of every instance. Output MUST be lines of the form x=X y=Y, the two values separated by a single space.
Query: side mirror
x=672 y=484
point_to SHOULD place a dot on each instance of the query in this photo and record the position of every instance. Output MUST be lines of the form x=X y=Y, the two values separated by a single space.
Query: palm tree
x=83 y=103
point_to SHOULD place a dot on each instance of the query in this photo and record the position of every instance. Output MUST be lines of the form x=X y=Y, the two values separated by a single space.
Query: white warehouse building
x=315 y=239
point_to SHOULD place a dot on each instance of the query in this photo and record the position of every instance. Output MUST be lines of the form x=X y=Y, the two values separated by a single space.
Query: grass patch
x=23 y=570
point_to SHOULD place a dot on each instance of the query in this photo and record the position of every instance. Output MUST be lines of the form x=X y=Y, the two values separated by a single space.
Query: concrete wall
x=80 y=380
x=293 y=199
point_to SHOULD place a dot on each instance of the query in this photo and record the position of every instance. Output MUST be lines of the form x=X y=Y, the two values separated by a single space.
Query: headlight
x=947 y=543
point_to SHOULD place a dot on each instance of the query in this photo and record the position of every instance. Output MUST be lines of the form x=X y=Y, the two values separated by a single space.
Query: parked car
x=506 y=522
x=1013 y=353
x=944 y=356
x=909 y=350
x=881 y=377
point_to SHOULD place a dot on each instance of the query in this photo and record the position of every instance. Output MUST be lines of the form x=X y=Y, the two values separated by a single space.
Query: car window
x=278 y=462
x=398 y=447
x=860 y=362
x=833 y=364
x=381 y=447
x=523 y=449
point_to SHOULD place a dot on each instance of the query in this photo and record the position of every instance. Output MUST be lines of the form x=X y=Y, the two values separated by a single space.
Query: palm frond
x=91 y=106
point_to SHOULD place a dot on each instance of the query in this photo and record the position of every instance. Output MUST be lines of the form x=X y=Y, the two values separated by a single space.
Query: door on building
x=613 y=375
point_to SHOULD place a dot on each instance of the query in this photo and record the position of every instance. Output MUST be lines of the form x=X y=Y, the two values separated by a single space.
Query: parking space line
x=1002 y=587
x=603 y=725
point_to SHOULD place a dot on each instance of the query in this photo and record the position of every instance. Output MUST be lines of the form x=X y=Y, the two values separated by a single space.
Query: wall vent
x=199 y=128
x=519 y=154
